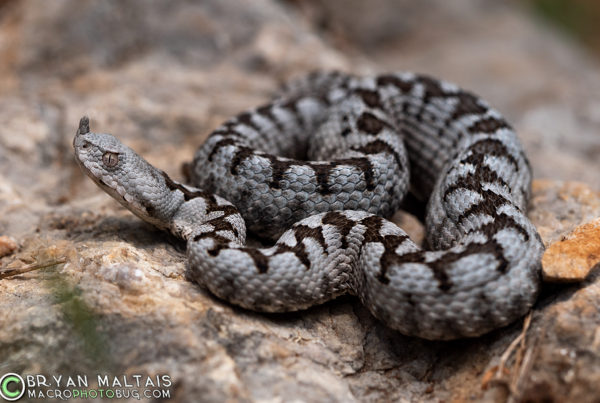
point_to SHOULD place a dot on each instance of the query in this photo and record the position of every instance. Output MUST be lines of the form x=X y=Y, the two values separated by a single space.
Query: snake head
x=122 y=173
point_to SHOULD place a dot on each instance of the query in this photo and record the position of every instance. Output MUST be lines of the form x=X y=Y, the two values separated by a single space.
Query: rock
x=161 y=77
x=561 y=207
x=559 y=357
x=7 y=246
x=572 y=258
x=568 y=211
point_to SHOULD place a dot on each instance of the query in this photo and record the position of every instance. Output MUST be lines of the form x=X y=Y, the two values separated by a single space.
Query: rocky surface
x=572 y=258
x=7 y=246
x=160 y=76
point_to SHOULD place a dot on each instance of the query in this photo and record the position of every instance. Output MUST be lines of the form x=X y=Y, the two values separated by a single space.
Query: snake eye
x=110 y=159
x=86 y=144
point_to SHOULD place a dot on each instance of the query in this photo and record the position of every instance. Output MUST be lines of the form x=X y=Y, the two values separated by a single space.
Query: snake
x=320 y=168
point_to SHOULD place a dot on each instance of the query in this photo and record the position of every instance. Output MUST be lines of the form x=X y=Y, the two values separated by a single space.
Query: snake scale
x=320 y=167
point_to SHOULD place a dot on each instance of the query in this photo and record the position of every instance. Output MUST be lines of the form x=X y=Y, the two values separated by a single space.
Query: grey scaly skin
x=363 y=135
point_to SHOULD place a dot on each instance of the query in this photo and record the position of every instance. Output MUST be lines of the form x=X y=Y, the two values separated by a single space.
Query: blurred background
x=161 y=75
x=578 y=19
x=170 y=72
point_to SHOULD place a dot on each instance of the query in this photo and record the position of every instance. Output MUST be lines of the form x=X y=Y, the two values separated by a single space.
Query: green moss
x=81 y=317
x=579 y=18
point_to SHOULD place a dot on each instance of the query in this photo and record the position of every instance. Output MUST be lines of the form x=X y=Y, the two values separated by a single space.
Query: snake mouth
x=113 y=191
x=87 y=146
x=118 y=193
x=78 y=146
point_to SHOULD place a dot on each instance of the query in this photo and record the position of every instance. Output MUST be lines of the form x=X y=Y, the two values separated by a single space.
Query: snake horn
x=84 y=125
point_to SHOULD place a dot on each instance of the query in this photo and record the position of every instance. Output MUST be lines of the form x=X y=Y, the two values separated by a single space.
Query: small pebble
x=7 y=246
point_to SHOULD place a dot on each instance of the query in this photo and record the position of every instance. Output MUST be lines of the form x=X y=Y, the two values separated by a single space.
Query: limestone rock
x=572 y=258
x=161 y=77
x=7 y=246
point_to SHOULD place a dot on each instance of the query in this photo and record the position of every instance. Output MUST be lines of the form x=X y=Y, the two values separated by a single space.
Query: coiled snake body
x=325 y=162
